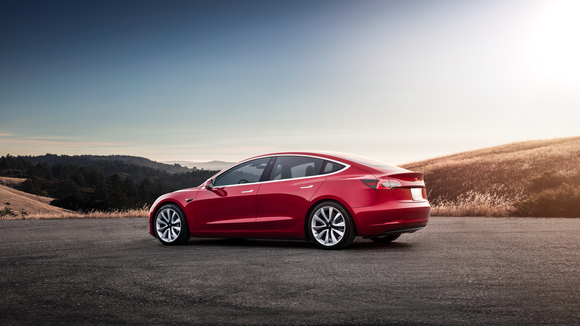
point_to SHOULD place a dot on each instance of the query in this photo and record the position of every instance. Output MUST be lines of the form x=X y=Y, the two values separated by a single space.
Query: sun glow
x=556 y=43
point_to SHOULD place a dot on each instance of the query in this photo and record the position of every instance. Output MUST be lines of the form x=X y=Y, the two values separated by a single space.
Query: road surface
x=488 y=271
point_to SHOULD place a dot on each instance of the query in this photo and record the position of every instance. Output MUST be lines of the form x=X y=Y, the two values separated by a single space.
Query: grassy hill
x=496 y=177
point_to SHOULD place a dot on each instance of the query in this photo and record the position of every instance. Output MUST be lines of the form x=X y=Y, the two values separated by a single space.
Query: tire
x=330 y=226
x=171 y=225
x=386 y=239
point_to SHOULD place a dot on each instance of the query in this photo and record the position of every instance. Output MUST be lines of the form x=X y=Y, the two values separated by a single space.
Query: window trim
x=346 y=166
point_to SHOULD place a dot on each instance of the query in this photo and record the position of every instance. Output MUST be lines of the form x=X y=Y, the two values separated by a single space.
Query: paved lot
x=456 y=271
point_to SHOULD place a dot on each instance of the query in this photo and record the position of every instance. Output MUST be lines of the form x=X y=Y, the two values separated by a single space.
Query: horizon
x=193 y=81
x=231 y=162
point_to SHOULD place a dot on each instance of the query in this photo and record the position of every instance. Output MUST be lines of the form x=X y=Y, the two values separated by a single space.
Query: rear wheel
x=171 y=225
x=386 y=239
x=331 y=226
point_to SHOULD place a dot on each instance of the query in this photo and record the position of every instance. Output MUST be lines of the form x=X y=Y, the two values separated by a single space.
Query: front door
x=231 y=203
x=227 y=208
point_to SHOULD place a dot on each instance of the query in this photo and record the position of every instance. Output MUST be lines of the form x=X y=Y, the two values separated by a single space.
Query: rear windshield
x=366 y=161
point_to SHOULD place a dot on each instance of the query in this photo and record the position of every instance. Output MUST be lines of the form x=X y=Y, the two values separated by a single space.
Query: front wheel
x=330 y=226
x=171 y=225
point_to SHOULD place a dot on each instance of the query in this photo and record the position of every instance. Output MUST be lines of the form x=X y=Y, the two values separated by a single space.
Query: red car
x=327 y=198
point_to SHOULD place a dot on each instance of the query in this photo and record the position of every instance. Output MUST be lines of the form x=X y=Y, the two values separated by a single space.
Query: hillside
x=15 y=204
x=500 y=172
x=19 y=201
x=212 y=165
x=106 y=186
x=92 y=160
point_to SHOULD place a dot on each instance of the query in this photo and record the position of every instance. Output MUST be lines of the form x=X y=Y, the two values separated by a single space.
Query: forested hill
x=94 y=160
x=103 y=185
x=23 y=167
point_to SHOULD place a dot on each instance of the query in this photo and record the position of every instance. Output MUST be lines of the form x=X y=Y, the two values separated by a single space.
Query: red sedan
x=324 y=197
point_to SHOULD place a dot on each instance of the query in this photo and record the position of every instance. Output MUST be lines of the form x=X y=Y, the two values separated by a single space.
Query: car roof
x=367 y=164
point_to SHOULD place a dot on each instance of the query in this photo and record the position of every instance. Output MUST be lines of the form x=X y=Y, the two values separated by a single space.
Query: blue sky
x=398 y=81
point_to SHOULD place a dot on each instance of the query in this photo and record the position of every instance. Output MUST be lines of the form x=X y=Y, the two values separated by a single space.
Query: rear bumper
x=391 y=218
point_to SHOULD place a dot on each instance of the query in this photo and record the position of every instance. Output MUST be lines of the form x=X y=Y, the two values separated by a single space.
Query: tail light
x=381 y=184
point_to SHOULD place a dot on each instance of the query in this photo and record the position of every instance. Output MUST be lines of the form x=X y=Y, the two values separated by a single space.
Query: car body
x=325 y=197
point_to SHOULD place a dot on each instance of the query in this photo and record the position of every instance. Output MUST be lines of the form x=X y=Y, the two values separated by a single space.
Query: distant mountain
x=89 y=160
x=213 y=165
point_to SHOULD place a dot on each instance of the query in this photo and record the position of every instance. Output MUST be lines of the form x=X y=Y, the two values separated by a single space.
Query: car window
x=288 y=167
x=247 y=172
x=330 y=167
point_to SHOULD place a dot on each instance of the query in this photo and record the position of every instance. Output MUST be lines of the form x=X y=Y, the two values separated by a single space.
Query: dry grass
x=488 y=181
x=142 y=212
x=473 y=203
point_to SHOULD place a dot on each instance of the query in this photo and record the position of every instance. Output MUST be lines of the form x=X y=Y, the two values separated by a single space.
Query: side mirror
x=210 y=184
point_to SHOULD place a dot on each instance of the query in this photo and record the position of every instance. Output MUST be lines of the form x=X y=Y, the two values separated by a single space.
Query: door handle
x=247 y=191
x=306 y=187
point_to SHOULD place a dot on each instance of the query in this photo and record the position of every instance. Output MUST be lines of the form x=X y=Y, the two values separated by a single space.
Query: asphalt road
x=456 y=271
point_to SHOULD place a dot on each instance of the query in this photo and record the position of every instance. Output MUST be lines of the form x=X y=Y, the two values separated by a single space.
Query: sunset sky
x=398 y=81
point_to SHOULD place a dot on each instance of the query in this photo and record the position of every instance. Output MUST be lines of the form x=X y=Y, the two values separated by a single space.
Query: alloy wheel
x=328 y=226
x=168 y=224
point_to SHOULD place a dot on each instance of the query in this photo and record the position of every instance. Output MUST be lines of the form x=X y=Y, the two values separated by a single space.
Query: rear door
x=290 y=186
